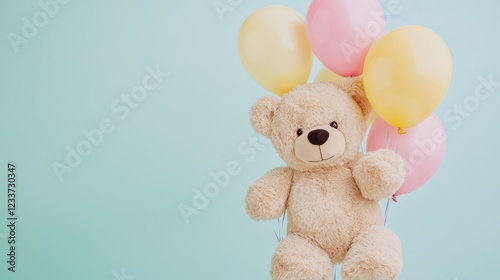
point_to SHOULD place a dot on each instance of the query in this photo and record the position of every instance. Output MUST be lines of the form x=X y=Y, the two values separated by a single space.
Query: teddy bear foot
x=298 y=259
x=374 y=255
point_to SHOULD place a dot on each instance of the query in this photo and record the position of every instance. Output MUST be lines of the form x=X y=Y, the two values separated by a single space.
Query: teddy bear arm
x=379 y=174
x=266 y=198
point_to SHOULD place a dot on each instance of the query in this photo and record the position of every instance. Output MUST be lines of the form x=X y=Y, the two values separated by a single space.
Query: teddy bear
x=329 y=189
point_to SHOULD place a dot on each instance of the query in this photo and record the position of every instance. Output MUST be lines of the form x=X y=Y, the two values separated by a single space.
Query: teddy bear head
x=315 y=125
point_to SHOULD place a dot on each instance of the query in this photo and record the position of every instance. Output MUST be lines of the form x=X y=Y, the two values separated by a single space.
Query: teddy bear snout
x=319 y=145
x=318 y=137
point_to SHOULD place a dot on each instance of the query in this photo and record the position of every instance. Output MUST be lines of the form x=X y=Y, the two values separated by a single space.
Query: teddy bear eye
x=334 y=125
x=299 y=132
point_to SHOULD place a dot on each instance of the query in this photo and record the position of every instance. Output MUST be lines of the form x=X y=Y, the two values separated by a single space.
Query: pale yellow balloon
x=406 y=75
x=325 y=75
x=274 y=49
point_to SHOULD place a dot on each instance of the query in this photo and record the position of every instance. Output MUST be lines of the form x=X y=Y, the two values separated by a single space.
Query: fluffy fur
x=333 y=214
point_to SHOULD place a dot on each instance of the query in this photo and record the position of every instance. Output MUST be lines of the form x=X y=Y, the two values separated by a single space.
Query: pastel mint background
x=116 y=216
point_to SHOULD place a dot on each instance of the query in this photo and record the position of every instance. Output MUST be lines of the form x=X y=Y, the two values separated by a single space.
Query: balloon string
x=334 y=273
x=397 y=145
x=393 y=197
x=387 y=139
x=387 y=205
x=387 y=210
x=279 y=229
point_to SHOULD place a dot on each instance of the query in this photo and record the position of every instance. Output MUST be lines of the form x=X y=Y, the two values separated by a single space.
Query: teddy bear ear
x=262 y=113
x=354 y=87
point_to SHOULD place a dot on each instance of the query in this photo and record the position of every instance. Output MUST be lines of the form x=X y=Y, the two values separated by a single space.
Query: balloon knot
x=394 y=198
x=401 y=131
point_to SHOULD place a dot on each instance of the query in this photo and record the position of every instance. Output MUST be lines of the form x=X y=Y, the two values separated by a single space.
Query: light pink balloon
x=422 y=148
x=341 y=32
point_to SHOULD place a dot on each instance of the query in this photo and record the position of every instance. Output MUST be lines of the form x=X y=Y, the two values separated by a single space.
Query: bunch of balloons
x=406 y=70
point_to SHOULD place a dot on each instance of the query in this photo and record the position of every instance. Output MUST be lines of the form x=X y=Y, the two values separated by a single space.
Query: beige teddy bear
x=329 y=190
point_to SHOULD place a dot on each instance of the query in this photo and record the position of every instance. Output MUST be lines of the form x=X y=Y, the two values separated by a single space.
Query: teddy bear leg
x=296 y=258
x=374 y=255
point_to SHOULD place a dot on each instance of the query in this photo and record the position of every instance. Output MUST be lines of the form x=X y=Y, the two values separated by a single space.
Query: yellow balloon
x=406 y=75
x=325 y=75
x=274 y=49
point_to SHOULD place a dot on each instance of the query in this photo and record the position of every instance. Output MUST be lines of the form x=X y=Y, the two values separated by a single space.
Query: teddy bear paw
x=260 y=204
x=379 y=174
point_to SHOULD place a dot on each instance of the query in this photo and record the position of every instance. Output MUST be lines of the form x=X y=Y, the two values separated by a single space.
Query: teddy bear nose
x=318 y=136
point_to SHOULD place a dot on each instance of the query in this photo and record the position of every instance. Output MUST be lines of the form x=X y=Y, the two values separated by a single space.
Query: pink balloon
x=422 y=148
x=341 y=32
